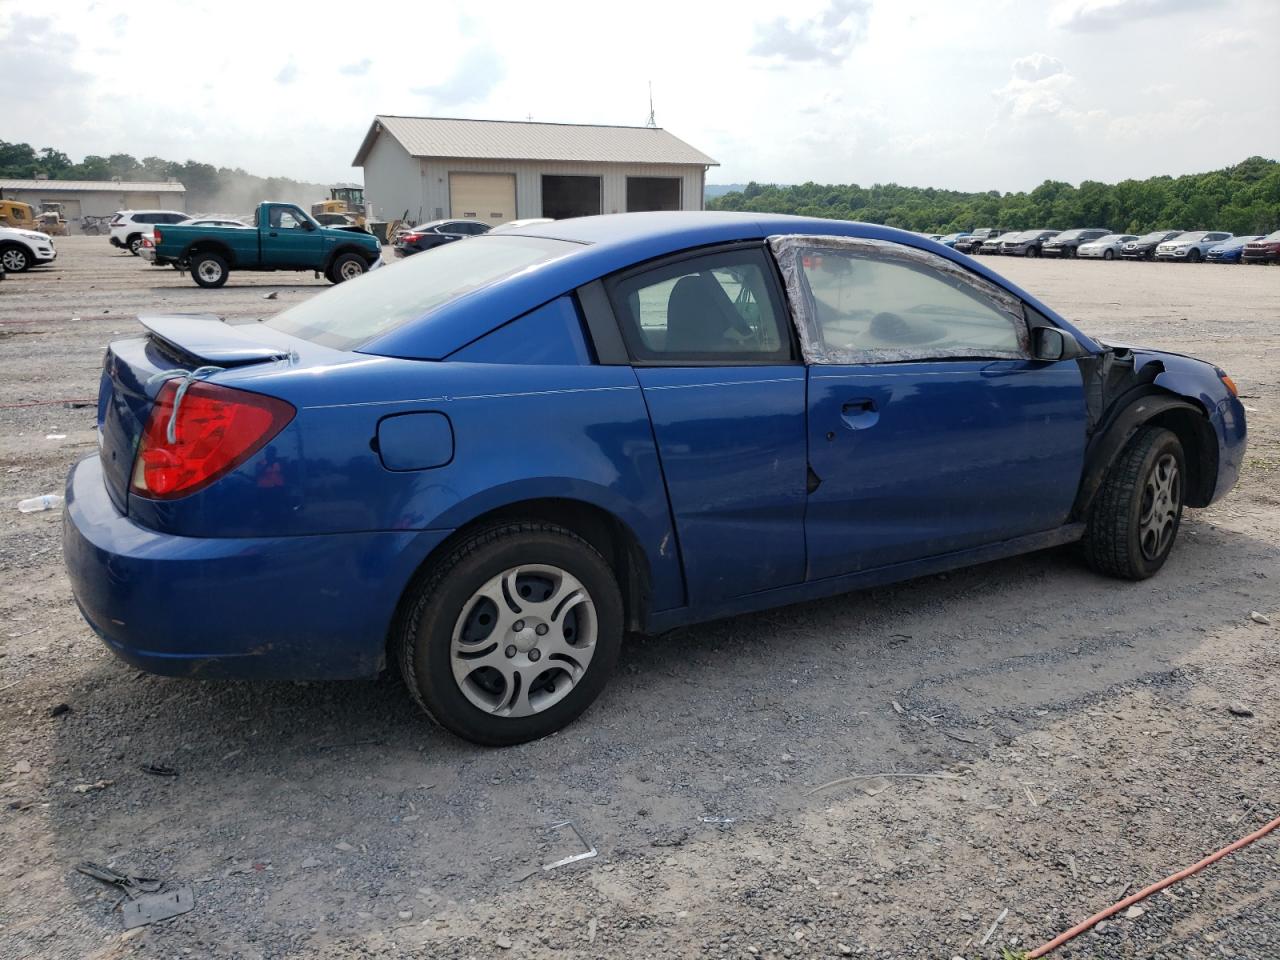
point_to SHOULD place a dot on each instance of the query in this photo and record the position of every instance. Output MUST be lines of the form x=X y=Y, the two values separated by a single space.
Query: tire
x=209 y=270
x=1133 y=521
x=1033 y=252
x=16 y=259
x=347 y=266
x=443 y=633
x=134 y=243
x=1108 y=255
x=1193 y=256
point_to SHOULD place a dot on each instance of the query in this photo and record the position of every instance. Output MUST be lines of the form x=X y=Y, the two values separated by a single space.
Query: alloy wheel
x=524 y=640
x=1161 y=505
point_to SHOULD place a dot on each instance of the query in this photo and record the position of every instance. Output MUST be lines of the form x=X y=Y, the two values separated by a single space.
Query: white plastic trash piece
x=50 y=501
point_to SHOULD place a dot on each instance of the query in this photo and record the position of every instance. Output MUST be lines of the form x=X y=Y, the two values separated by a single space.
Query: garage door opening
x=564 y=197
x=653 y=193
x=490 y=197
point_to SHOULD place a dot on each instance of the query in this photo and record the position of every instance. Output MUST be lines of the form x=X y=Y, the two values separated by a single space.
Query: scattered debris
x=59 y=709
x=1261 y=618
x=591 y=930
x=1134 y=912
x=21 y=767
x=724 y=820
x=271 y=296
x=897 y=707
x=50 y=501
x=155 y=907
x=590 y=852
x=96 y=785
x=887 y=776
x=1239 y=710
x=1071 y=862
x=992 y=929
x=503 y=943
x=131 y=883
x=158 y=770
x=55 y=436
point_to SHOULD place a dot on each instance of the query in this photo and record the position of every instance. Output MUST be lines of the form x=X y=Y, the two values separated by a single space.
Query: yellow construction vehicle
x=16 y=214
x=344 y=200
x=52 y=220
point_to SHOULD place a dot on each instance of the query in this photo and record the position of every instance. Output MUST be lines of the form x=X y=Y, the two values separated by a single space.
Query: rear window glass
x=357 y=311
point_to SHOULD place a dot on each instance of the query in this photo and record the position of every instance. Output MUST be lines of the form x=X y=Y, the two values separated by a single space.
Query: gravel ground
x=1074 y=737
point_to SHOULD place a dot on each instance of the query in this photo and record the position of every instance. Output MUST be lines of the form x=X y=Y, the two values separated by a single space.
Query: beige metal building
x=96 y=198
x=429 y=168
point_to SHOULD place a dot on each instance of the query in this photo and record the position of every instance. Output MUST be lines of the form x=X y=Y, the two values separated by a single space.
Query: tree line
x=1244 y=199
x=209 y=188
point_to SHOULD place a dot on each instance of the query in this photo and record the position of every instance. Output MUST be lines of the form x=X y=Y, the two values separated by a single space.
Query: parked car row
x=1098 y=243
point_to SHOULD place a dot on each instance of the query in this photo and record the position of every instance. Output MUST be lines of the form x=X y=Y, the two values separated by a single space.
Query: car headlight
x=33 y=236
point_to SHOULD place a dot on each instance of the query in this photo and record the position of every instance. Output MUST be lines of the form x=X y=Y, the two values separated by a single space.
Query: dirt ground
x=1038 y=740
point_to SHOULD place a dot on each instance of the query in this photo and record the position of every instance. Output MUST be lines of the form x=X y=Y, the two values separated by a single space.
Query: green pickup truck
x=282 y=237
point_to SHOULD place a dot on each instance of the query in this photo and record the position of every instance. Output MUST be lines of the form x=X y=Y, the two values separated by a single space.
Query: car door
x=709 y=341
x=291 y=240
x=931 y=429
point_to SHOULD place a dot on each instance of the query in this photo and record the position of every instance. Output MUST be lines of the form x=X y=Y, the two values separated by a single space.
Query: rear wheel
x=513 y=634
x=15 y=259
x=209 y=270
x=134 y=243
x=1135 y=515
x=348 y=266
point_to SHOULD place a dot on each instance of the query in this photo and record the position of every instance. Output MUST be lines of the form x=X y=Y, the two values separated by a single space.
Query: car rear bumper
x=294 y=608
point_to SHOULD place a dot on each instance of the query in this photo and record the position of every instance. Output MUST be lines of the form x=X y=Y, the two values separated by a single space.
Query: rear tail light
x=216 y=429
x=156 y=235
x=411 y=237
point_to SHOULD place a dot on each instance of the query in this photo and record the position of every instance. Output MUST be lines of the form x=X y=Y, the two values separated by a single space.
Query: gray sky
x=985 y=94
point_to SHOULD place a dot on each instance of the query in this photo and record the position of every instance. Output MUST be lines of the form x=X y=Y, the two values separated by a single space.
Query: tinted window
x=286 y=218
x=173 y=218
x=355 y=312
x=866 y=305
x=144 y=218
x=719 y=307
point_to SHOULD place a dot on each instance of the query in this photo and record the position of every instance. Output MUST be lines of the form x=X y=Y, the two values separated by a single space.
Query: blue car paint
x=315 y=525
x=732 y=443
x=1005 y=439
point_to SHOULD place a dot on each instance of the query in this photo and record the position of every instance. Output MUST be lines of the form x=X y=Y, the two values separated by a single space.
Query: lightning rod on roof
x=651 y=122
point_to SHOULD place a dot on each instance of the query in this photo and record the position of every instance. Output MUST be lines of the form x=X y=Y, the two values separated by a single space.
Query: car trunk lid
x=134 y=370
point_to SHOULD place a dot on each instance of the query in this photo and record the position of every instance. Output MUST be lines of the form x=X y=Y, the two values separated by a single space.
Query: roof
x=104 y=186
x=519 y=140
x=595 y=247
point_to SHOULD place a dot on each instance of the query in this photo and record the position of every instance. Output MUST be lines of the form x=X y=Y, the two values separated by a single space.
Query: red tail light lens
x=217 y=429
x=411 y=237
x=155 y=235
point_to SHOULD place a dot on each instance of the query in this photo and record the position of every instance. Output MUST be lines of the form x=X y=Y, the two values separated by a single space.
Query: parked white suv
x=1190 y=246
x=23 y=249
x=128 y=226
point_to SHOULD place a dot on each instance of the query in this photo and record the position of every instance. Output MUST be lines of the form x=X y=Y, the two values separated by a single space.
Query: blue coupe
x=488 y=464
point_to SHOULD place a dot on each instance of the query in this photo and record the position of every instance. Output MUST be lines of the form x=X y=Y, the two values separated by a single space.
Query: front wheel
x=512 y=635
x=1193 y=256
x=1108 y=255
x=209 y=270
x=347 y=267
x=1135 y=514
x=15 y=259
x=1033 y=252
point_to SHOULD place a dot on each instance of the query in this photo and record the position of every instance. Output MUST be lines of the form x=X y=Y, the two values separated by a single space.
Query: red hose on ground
x=1080 y=928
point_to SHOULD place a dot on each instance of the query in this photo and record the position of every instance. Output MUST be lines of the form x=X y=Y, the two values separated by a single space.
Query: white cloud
x=1087 y=15
x=827 y=37
x=474 y=77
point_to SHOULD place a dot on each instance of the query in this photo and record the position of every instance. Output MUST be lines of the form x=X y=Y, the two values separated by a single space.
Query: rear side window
x=718 y=308
x=357 y=311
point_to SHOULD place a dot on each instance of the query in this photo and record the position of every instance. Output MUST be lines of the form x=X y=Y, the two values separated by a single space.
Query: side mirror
x=308 y=225
x=1048 y=343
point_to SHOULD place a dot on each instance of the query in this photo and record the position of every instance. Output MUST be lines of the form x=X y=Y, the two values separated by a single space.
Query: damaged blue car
x=485 y=466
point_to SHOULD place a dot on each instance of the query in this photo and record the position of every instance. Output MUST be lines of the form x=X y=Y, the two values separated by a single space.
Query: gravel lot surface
x=1078 y=737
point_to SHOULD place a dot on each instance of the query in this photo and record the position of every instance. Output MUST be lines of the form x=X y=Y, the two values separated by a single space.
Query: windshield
x=1192 y=236
x=359 y=310
x=1109 y=238
x=1153 y=237
x=1272 y=237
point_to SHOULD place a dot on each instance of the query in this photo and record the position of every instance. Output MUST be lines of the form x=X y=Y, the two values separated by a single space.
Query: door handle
x=860 y=413
x=273 y=234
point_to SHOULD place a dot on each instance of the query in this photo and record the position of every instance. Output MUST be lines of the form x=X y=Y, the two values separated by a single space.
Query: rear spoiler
x=205 y=337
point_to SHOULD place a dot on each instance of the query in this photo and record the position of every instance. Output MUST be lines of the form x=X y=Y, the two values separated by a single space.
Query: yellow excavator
x=345 y=203
x=14 y=213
